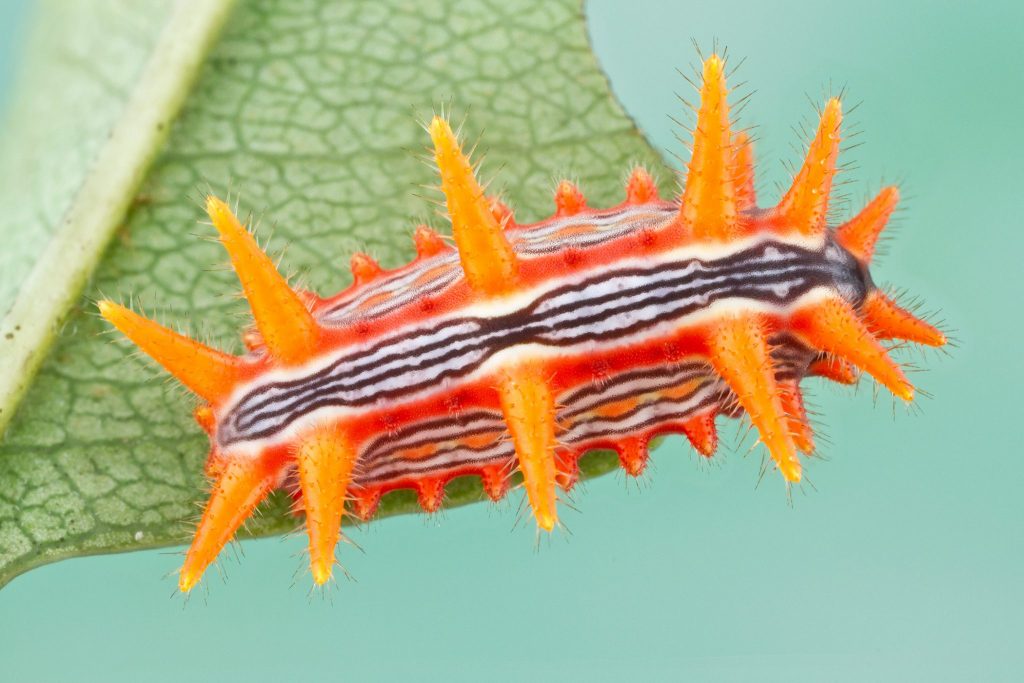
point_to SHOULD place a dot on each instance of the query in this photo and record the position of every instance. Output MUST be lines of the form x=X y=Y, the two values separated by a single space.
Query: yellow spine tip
x=546 y=521
x=833 y=110
x=440 y=132
x=106 y=308
x=832 y=118
x=217 y=209
x=321 y=573
x=187 y=581
x=713 y=66
x=791 y=470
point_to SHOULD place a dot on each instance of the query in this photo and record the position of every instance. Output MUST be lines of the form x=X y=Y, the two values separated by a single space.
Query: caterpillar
x=522 y=347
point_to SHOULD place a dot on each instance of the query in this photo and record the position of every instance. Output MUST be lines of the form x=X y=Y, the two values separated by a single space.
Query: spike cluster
x=435 y=370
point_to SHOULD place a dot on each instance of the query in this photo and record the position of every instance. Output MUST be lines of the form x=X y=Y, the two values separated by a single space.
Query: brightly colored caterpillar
x=529 y=345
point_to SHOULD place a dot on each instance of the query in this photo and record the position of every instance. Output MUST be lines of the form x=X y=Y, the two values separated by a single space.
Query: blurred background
x=12 y=27
x=900 y=560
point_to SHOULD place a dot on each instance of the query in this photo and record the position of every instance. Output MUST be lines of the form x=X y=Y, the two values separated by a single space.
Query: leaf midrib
x=47 y=295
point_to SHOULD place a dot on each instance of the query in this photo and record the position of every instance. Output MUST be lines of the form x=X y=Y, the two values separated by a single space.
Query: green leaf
x=308 y=112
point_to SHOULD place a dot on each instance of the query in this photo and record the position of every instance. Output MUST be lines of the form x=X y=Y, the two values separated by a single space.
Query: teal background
x=12 y=20
x=899 y=560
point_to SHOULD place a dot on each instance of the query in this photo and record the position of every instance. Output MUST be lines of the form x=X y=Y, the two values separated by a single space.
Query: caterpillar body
x=525 y=346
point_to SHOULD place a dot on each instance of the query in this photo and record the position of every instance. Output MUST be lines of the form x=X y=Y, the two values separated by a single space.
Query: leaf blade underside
x=308 y=112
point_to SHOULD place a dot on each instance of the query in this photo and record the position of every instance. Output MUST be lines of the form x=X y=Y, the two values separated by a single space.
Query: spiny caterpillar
x=529 y=345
